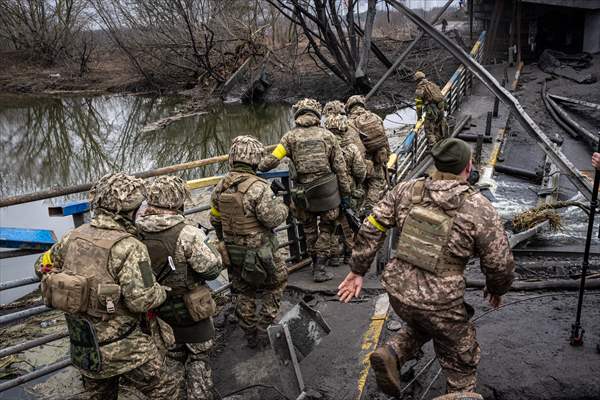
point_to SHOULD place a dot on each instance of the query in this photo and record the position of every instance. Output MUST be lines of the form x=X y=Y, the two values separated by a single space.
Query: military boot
x=319 y=272
x=387 y=373
x=335 y=261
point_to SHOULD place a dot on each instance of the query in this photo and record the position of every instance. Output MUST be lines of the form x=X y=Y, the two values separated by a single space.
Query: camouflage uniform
x=375 y=182
x=434 y=124
x=267 y=212
x=433 y=305
x=166 y=197
x=128 y=352
x=316 y=154
x=356 y=166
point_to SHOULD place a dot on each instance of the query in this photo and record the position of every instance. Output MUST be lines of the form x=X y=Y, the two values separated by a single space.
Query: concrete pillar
x=591 y=32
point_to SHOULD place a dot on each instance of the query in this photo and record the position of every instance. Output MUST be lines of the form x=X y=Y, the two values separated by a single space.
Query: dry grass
x=530 y=218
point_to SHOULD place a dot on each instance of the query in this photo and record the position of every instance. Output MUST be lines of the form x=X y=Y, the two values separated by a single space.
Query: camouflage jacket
x=259 y=201
x=477 y=230
x=355 y=160
x=308 y=132
x=127 y=258
x=191 y=248
x=424 y=93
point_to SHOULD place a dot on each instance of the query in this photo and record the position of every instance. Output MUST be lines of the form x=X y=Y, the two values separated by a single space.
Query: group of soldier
x=132 y=282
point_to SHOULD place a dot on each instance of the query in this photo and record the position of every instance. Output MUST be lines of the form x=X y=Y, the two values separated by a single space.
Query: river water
x=46 y=142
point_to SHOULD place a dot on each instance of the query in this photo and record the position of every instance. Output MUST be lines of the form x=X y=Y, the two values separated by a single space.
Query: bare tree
x=334 y=42
x=172 y=39
x=46 y=29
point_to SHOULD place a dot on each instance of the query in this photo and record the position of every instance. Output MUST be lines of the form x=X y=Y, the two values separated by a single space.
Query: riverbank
x=291 y=79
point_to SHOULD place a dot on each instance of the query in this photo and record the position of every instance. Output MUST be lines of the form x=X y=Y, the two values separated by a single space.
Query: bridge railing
x=79 y=211
x=413 y=148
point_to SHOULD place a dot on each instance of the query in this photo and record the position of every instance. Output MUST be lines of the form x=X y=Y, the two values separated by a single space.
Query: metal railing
x=413 y=148
x=296 y=244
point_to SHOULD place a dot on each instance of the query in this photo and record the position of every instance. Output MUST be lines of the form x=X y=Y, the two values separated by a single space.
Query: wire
x=260 y=385
x=431 y=384
x=475 y=319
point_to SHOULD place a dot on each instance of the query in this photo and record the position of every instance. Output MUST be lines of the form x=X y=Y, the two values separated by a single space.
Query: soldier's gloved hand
x=345 y=203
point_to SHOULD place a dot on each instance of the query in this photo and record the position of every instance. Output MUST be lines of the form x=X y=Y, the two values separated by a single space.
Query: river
x=59 y=141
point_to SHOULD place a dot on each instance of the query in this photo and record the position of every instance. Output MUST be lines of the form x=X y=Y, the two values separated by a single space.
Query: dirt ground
x=111 y=73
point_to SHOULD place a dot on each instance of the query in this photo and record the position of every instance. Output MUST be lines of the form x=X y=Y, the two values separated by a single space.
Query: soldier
x=429 y=102
x=189 y=306
x=375 y=141
x=244 y=212
x=352 y=148
x=321 y=177
x=99 y=274
x=355 y=164
x=443 y=222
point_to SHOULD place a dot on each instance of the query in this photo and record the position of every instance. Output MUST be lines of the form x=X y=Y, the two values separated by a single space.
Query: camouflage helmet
x=307 y=105
x=117 y=192
x=246 y=149
x=356 y=100
x=334 y=107
x=336 y=123
x=168 y=192
x=419 y=75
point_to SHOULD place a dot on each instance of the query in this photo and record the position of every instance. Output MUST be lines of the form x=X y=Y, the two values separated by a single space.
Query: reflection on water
x=62 y=141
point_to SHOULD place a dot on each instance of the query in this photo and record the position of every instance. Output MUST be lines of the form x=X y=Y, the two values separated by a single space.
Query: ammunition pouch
x=66 y=292
x=199 y=303
x=318 y=196
x=255 y=264
x=85 y=349
x=108 y=296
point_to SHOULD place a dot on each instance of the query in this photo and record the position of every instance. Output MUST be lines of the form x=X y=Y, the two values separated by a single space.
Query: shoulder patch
x=147 y=275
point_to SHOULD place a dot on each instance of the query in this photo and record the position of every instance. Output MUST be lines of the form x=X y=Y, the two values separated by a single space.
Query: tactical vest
x=174 y=311
x=423 y=241
x=160 y=246
x=87 y=254
x=234 y=220
x=310 y=155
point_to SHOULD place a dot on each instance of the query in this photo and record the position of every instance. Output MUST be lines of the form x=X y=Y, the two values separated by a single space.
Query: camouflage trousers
x=155 y=379
x=375 y=188
x=257 y=307
x=320 y=231
x=192 y=366
x=453 y=338
x=436 y=129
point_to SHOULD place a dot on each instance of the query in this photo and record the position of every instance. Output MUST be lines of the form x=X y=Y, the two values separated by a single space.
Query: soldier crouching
x=182 y=261
x=244 y=213
x=99 y=274
x=443 y=222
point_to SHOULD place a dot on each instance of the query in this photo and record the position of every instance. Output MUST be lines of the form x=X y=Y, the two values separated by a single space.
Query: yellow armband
x=376 y=223
x=214 y=212
x=279 y=152
x=47 y=264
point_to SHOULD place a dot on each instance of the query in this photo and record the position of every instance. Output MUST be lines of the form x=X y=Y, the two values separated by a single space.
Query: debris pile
x=567 y=65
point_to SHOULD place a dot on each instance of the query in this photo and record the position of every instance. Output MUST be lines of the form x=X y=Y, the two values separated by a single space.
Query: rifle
x=353 y=219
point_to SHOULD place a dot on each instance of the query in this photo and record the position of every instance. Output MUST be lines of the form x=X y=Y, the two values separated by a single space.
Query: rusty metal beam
x=405 y=53
x=566 y=167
